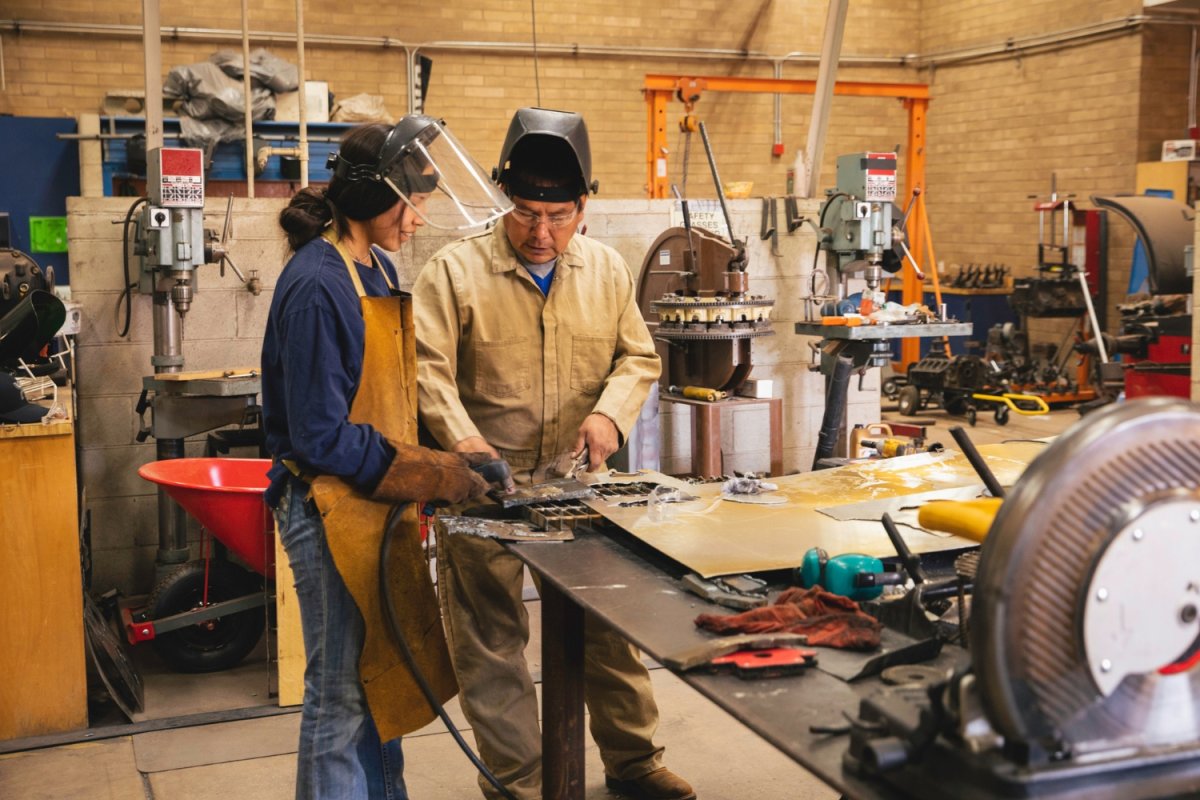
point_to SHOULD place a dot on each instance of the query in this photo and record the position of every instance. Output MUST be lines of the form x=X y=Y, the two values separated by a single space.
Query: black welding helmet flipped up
x=538 y=136
x=421 y=157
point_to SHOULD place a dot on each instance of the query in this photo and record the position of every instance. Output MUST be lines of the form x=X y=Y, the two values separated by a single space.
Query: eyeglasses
x=555 y=221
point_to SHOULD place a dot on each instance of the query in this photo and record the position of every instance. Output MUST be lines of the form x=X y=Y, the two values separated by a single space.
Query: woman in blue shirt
x=339 y=409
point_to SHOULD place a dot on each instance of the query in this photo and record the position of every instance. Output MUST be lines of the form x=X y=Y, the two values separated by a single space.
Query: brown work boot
x=662 y=784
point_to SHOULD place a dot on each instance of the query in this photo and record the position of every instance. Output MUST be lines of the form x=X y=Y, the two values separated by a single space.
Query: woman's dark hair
x=311 y=210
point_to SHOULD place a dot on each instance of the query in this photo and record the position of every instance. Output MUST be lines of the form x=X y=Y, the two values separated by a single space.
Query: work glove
x=494 y=470
x=420 y=474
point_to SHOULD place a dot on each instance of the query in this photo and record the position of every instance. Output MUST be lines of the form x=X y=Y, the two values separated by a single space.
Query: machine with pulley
x=694 y=293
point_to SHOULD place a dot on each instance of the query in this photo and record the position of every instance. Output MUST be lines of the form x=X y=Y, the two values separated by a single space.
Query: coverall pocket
x=591 y=362
x=503 y=368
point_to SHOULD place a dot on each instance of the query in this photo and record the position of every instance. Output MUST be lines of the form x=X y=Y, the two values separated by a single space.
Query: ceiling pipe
x=247 y=97
x=303 y=96
x=220 y=34
x=1012 y=46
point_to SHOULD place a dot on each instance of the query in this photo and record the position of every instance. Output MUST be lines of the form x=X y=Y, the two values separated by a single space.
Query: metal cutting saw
x=1084 y=633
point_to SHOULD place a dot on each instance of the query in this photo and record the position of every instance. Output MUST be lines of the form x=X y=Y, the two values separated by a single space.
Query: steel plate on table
x=712 y=537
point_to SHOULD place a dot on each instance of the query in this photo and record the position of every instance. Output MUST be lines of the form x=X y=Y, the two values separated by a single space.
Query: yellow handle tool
x=967 y=518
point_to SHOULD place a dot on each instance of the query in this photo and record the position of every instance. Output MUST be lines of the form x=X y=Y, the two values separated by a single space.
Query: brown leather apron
x=354 y=525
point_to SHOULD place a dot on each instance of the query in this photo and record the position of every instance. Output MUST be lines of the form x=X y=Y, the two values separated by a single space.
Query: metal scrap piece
x=565 y=489
x=501 y=530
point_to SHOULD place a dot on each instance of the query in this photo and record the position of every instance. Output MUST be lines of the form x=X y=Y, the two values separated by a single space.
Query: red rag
x=829 y=620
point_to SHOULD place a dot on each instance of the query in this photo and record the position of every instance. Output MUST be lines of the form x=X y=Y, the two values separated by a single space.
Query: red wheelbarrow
x=207 y=615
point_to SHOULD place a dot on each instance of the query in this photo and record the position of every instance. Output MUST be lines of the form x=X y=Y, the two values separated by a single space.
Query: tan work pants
x=487 y=628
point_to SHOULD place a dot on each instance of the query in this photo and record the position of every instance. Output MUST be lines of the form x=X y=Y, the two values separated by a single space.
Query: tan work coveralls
x=498 y=359
x=355 y=525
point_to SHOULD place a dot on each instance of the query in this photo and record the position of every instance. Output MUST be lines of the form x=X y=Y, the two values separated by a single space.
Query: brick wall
x=53 y=75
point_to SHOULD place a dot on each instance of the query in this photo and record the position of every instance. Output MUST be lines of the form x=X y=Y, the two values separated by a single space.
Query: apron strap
x=349 y=261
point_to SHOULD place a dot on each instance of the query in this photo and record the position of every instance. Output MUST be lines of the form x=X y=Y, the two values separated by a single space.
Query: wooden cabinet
x=43 y=675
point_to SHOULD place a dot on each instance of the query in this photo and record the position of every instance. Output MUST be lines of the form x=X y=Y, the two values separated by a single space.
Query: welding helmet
x=421 y=157
x=29 y=327
x=538 y=137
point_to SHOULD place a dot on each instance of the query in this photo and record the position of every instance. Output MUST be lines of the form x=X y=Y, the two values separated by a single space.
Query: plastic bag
x=267 y=70
x=206 y=92
x=362 y=108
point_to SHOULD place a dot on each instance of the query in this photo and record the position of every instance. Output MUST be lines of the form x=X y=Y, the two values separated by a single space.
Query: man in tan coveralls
x=530 y=345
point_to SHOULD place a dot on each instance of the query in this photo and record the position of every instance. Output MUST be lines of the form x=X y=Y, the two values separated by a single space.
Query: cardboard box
x=316 y=94
x=1179 y=150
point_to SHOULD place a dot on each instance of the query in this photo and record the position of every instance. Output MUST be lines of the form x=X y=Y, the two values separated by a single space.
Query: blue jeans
x=340 y=753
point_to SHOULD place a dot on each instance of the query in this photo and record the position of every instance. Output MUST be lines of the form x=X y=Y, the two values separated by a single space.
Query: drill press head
x=857 y=218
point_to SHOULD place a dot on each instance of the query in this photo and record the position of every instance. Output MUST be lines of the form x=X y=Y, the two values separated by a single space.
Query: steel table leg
x=562 y=696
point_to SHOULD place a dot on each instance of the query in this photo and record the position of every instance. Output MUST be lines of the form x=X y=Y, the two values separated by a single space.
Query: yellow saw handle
x=967 y=518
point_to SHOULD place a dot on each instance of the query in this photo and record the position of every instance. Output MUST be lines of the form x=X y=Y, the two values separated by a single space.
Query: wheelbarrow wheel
x=215 y=644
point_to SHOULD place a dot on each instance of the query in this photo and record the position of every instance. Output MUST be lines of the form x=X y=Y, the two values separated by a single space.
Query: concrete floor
x=255 y=758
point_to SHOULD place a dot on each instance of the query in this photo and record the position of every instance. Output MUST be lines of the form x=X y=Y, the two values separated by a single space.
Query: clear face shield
x=433 y=162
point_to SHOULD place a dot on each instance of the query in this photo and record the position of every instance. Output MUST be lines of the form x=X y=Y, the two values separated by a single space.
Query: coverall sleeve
x=636 y=366
x=441 y=312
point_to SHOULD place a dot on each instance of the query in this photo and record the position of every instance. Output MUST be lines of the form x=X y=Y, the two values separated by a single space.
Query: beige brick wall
x=999 y=130
x=53 y=75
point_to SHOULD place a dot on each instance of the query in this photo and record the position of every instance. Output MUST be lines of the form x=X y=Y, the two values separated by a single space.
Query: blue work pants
x=340 y=755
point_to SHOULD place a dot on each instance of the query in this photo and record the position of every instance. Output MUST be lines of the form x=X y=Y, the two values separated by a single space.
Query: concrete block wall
x=224 y=329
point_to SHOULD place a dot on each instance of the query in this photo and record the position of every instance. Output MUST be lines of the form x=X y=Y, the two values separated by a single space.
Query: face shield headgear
x=420 y=157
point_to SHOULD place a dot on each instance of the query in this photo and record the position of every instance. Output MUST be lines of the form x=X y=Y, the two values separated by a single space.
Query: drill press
x=858 y=234
x=173 y=244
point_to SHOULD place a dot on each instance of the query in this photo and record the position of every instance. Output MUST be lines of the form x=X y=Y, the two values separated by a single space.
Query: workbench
x=44 y=686
x=618 y=581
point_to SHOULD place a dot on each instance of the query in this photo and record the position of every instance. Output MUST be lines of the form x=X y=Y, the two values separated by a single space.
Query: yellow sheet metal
x=714 y=537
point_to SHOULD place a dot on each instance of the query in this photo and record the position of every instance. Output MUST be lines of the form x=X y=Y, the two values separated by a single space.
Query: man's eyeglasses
x=555 y=221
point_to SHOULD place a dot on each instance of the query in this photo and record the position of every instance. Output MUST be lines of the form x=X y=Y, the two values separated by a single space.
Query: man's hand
x=485 y=460
x=475 y=444
x=599 y=435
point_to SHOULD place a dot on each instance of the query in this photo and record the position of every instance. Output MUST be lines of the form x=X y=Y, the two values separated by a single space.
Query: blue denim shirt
x=311 y=364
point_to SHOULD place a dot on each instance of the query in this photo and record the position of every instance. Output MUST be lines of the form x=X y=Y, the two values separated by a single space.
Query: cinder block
x=124 y=523
x=750 y=430
x=110 y=473
x=112 y=369
x=252 y=314
x=102 y=315
x=127 y=569
x=208 y=354
x=106 y=421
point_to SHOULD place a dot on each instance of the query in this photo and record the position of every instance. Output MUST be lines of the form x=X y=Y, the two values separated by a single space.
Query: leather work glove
x=420 y=474
x=494 y=470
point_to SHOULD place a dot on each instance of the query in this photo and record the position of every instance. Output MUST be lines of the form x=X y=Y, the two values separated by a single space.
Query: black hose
x=389 y=614
x=837 y=388
x=127 y=294
x=981 y=468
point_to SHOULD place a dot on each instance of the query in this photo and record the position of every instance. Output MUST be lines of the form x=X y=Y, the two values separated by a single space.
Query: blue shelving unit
x=229 y=158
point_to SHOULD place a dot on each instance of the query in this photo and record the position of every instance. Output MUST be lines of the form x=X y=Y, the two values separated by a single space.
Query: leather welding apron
x=354 y=525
